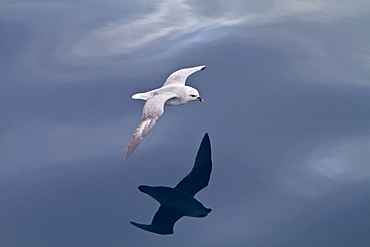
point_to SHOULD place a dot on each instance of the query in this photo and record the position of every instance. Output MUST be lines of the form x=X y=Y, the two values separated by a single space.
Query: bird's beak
x=200 y=99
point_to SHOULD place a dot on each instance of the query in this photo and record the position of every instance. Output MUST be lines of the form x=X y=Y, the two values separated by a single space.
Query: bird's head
x=192 y=94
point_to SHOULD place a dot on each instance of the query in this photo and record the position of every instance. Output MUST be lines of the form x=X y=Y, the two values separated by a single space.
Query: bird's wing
x=163 y=221
x=179 y=76
x=198 y=177
x=153 y=109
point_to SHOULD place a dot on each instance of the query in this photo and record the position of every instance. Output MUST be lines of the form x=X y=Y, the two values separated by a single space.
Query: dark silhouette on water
x=179 y=201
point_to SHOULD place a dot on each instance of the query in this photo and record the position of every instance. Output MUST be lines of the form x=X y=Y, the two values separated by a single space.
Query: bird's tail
x=143 y=96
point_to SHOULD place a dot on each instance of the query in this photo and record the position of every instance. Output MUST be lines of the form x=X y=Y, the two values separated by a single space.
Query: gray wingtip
x=130 y=149
x=128 y=153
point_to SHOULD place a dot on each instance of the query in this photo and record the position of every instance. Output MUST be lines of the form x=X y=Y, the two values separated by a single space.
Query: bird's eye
x=192 y=95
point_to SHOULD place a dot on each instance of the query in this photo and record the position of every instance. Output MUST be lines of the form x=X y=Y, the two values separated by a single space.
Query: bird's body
x=179 y=97
x=179 y=201
x=176 y=199
x=173 y=92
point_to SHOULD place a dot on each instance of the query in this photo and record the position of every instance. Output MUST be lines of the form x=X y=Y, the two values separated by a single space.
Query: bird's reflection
x=179 y=201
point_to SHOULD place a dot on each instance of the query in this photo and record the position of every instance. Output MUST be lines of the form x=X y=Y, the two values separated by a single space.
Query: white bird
x=173 y=92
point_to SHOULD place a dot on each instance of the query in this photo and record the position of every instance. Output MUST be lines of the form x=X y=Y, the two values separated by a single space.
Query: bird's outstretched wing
x=179 y=76
x=198 y=177
x=163 y=221
x=153 y=109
